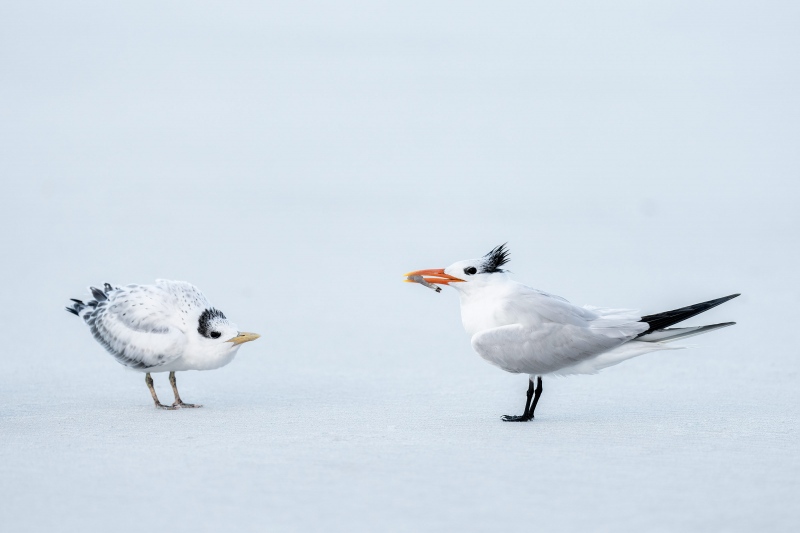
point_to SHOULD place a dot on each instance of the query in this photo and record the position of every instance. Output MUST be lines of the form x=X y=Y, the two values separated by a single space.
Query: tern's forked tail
x=674 y=334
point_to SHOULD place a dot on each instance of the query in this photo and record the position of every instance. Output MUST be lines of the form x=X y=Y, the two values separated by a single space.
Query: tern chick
x=167 y=327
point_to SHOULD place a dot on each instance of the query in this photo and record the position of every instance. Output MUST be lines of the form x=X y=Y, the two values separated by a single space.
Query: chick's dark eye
x=214 y=334
x=470 y=270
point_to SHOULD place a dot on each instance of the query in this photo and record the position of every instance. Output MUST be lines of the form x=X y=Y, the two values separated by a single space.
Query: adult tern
x=528 y=331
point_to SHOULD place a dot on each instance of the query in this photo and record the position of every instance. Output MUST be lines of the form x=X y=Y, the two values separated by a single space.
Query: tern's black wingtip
x=71 y=310
x=718 y=301
x=668 y=318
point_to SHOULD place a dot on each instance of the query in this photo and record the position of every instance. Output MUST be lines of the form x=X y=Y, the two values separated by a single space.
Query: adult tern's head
x=469 y=271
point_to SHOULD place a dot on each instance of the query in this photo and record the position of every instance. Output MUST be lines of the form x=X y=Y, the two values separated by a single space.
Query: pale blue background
x=294 y=160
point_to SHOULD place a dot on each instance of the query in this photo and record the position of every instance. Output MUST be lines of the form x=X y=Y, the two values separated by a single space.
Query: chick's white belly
x=193 y=362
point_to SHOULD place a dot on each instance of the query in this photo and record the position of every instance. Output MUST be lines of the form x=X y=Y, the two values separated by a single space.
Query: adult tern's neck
x=481 y=286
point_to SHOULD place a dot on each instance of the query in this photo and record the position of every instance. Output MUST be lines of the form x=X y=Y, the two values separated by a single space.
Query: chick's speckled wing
x=145 y=326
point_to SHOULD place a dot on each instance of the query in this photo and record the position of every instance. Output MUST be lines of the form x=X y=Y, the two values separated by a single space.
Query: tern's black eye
x=214 y=334
x=470 y=271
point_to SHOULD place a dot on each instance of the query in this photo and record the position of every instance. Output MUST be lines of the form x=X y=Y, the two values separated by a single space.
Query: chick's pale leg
x=159 y=405
x=178 y=401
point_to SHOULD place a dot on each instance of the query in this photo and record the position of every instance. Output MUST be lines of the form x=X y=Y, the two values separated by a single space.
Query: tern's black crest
x=208 y=316
x=498 y=257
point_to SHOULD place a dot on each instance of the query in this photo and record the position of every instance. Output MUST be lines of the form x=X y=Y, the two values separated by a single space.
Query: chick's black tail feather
x=76 y=308
x=99 y=296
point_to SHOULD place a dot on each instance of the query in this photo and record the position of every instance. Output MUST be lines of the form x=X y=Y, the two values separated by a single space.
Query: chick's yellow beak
x=243 y=337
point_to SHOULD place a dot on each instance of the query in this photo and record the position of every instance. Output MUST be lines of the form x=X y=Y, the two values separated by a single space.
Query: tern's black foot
x=160 y=405
x=533 y=392
x=517 y=418
x=180 y=404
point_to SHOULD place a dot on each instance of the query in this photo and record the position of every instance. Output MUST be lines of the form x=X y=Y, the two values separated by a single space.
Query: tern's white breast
x=491 y=306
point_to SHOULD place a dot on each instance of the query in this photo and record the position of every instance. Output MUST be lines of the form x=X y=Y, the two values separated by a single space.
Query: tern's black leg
x=528 y=413
x=159 y=405
x=538 y=393
x=178 y=401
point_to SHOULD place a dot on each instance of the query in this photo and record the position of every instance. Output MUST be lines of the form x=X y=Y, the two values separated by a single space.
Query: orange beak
x=437 y=276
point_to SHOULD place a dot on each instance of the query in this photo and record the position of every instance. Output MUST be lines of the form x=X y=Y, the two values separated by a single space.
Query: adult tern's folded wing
x=541 y=349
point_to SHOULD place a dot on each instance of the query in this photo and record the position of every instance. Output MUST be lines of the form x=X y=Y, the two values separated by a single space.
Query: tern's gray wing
x=137 y=324
x=549 y=333
x=540 y=349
